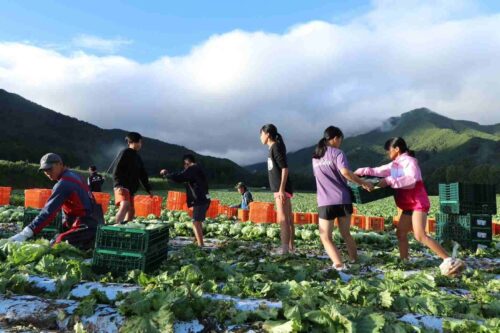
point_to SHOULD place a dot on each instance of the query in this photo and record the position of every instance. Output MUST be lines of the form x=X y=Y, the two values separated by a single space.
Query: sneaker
x=343 y=268
x=452 y=267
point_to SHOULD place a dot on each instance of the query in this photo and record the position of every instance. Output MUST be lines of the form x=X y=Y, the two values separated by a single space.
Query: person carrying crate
x=81 y=214
x=128 y=172
x=404 y=176
x=196 y=192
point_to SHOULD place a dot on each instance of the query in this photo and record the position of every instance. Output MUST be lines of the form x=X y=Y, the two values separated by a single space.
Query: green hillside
x=31 y=130
x=447 y=149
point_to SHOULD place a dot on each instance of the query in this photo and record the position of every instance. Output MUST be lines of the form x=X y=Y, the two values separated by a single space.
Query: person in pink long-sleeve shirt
x=403 y=174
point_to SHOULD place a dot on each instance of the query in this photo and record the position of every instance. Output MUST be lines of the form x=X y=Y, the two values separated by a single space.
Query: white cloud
x=397 y=57
x=99 y=44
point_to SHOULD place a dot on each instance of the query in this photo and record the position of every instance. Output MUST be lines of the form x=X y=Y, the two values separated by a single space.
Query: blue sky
x=209 y=74
x=158 y=28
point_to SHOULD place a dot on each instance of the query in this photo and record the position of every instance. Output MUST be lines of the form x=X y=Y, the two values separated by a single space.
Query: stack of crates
x=120 y=249
x=146 y=205
x=466 y=214
x=49 y=232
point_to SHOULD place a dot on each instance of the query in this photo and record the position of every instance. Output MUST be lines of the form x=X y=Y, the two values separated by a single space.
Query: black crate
x=468 y=230
x=120 y=262
x=120 y=238
x=463 y=198
x=362 y=196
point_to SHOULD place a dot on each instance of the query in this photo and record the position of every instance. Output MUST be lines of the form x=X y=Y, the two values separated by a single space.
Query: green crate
x=131 y=239
x=29 y=216
x=468 y=230
x=48 y=233
x=120 y=262
x=463 y=198
x=362 y=196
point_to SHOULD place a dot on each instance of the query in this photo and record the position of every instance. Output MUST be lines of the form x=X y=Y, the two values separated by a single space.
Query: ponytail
x=399 y=142
x=273 y=134
x=330 y=133
x=320 y=149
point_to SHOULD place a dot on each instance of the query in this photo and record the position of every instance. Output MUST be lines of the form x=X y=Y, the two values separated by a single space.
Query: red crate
x=262 y=212
x=430 y=226
x=102 y=199
x=301 y=218
x=243 y=215
x=374 y=223
x=314 y=218
x=358 y=221
x=176 y=200
x=36 y=197
x=228 y=211
x=5 y=195
x=496 y=227
x=145 y=205
x=213 y=209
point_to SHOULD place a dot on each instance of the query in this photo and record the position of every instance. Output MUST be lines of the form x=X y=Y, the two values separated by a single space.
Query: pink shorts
x=288 y=195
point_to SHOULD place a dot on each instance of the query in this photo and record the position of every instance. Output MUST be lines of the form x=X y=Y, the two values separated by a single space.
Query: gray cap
x=48 y=160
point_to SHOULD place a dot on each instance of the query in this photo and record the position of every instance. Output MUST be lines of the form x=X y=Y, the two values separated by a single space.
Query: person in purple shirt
x=331 y=170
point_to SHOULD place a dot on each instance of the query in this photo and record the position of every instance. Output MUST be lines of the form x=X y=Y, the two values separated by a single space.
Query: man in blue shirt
x=73 y=196
x=246 y=196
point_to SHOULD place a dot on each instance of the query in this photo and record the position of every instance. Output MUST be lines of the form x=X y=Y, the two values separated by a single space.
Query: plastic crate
x=243 y=215
x=362 y=196
x=358 y=221
x=36 y=197
x=301 y=218
x=174 y=205
x=314 y=218
x=131 y=239
x=228 y=211
x=102 y=199
x=30 y=215
x=174 y=196
x=262 y=212
x=496 y=228
x=430 y=227
x=5 y=195
x=462 y=198
x=468 y=230
x=374 y=223
x=213 y=209
x=120 y=262
x=145 y=205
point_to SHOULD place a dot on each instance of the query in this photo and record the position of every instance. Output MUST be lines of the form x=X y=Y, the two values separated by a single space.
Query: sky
x=209 y=74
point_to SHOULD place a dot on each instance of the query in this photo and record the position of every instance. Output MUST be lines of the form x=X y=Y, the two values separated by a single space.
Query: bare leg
x=130 y=214
x=281 y=218
x=198 y=233
x=325 y=234
x=122 y=212
x=345 y=232
x=289 y=218
x=404 y=227
x=419 y=219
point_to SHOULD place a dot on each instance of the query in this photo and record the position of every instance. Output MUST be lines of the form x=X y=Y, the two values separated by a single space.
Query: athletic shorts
x=200 y=212
x=331 y=212
x=123 y=194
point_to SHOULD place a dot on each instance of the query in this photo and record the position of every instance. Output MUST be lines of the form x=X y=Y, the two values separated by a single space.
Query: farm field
x=234 y=284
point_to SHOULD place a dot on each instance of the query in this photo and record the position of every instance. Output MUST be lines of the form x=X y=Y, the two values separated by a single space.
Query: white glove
x=22 y=236
x=452 y=267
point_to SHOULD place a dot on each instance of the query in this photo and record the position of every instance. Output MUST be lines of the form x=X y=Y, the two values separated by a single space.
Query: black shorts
x=407 y=212
x=200 y=212
x=331 y=212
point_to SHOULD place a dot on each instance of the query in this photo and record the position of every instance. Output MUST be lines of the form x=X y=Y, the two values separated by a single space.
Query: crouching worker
x=81 y=214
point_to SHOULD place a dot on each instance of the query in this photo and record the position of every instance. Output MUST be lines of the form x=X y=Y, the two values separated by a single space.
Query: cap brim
x=45 y=167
